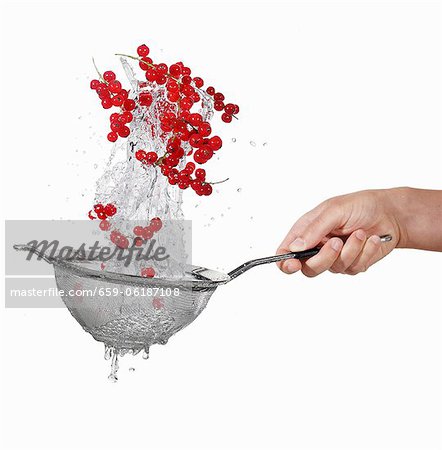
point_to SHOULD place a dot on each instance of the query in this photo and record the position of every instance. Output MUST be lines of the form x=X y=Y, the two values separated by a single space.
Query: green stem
x=99 y=74
x=217 y=182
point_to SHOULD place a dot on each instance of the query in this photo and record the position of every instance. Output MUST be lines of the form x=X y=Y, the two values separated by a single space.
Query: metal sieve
x=130 y=313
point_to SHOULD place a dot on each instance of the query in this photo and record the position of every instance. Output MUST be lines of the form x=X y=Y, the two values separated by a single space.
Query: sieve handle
x=293 y=255
x=39 y=253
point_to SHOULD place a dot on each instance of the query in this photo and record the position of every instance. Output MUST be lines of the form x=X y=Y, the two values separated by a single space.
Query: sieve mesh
x=130 y=312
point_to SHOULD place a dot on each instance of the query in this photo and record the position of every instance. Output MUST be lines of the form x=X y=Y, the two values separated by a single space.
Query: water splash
x=114 y=367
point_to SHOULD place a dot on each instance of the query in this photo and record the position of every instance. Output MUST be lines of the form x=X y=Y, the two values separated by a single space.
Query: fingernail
x=291 y=267
x=360 y=234
x=336 y=244
x=297 y=245
x=375 y=239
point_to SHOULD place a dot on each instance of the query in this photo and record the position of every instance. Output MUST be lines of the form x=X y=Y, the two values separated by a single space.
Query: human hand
x=349 y=227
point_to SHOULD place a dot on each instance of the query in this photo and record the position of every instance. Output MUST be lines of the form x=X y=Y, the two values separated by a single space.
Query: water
x=140 y=193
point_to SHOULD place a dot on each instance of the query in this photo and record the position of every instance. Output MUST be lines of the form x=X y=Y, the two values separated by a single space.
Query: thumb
x=312 y=232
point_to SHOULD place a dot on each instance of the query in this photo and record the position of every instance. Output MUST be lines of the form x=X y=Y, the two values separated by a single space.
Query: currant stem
x=153 y=66
x=217 y=182
x=99 y=74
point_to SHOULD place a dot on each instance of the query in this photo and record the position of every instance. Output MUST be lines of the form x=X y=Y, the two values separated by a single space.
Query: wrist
x=417 y=214
x=399 y=202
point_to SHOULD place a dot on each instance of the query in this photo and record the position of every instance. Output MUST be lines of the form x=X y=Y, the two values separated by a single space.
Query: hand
x=348 y=227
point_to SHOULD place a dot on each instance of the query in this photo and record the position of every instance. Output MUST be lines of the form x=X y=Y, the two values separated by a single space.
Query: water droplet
x=107 y=352
x=265 y=143
x=114 y=367
x=253 y=143
x=233 y=139
x=95 y=166
x=251 y=217
x=239 y=190
x=212 y=218
x=131 y=369
x=145 y=354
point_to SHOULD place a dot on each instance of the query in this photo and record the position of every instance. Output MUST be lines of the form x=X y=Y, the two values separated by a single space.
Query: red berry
x=117 y=100
x=138 y=231
x=145 y=99
x=140 y=155
x=94 y=84
x=219 y=96
x=148 y=272
x=114 y=86
x=186 y=79
x=210 y=90
x=116 y=126
x=112 y=136
x=200 y=174
x=129 y=105
x=151 y=74
x=207 y=189
x=172 y=86
x=106 y=103
x=196 y=185
x=138 y=242
x=109 y=76
x=190 y=166
x=161 y=78
x=145 y=63
x=147 y=233
x=124 y=131
x=215 y=143
x=151 y=157
x=161 y=68
x=195 y=119
x=123 y=93
x=156 y=224
x=126 y=117
x=205 y=129
x=104 y=225
x=173 y=96
x=101 y=215
x=143 y=50
x=230 y=109
x=218 y=105
x=110 y=210
x=186 y=103
x=175 y=70
x=236 y=111
x=114 y=117
x=226 y=118
x=98 y=207
x=199 y=82
x=195 y=140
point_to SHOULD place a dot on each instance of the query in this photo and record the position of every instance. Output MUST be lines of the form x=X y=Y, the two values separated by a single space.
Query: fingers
x=367 y=257
x=288 y=266
x=355 y=256
x=350 y=251
x=310 y=232
x=324 y=259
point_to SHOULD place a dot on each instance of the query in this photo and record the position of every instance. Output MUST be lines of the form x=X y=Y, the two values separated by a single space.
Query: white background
x=347 y=96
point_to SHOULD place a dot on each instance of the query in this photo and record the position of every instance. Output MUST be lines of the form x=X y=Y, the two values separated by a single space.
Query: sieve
x=130 y=313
